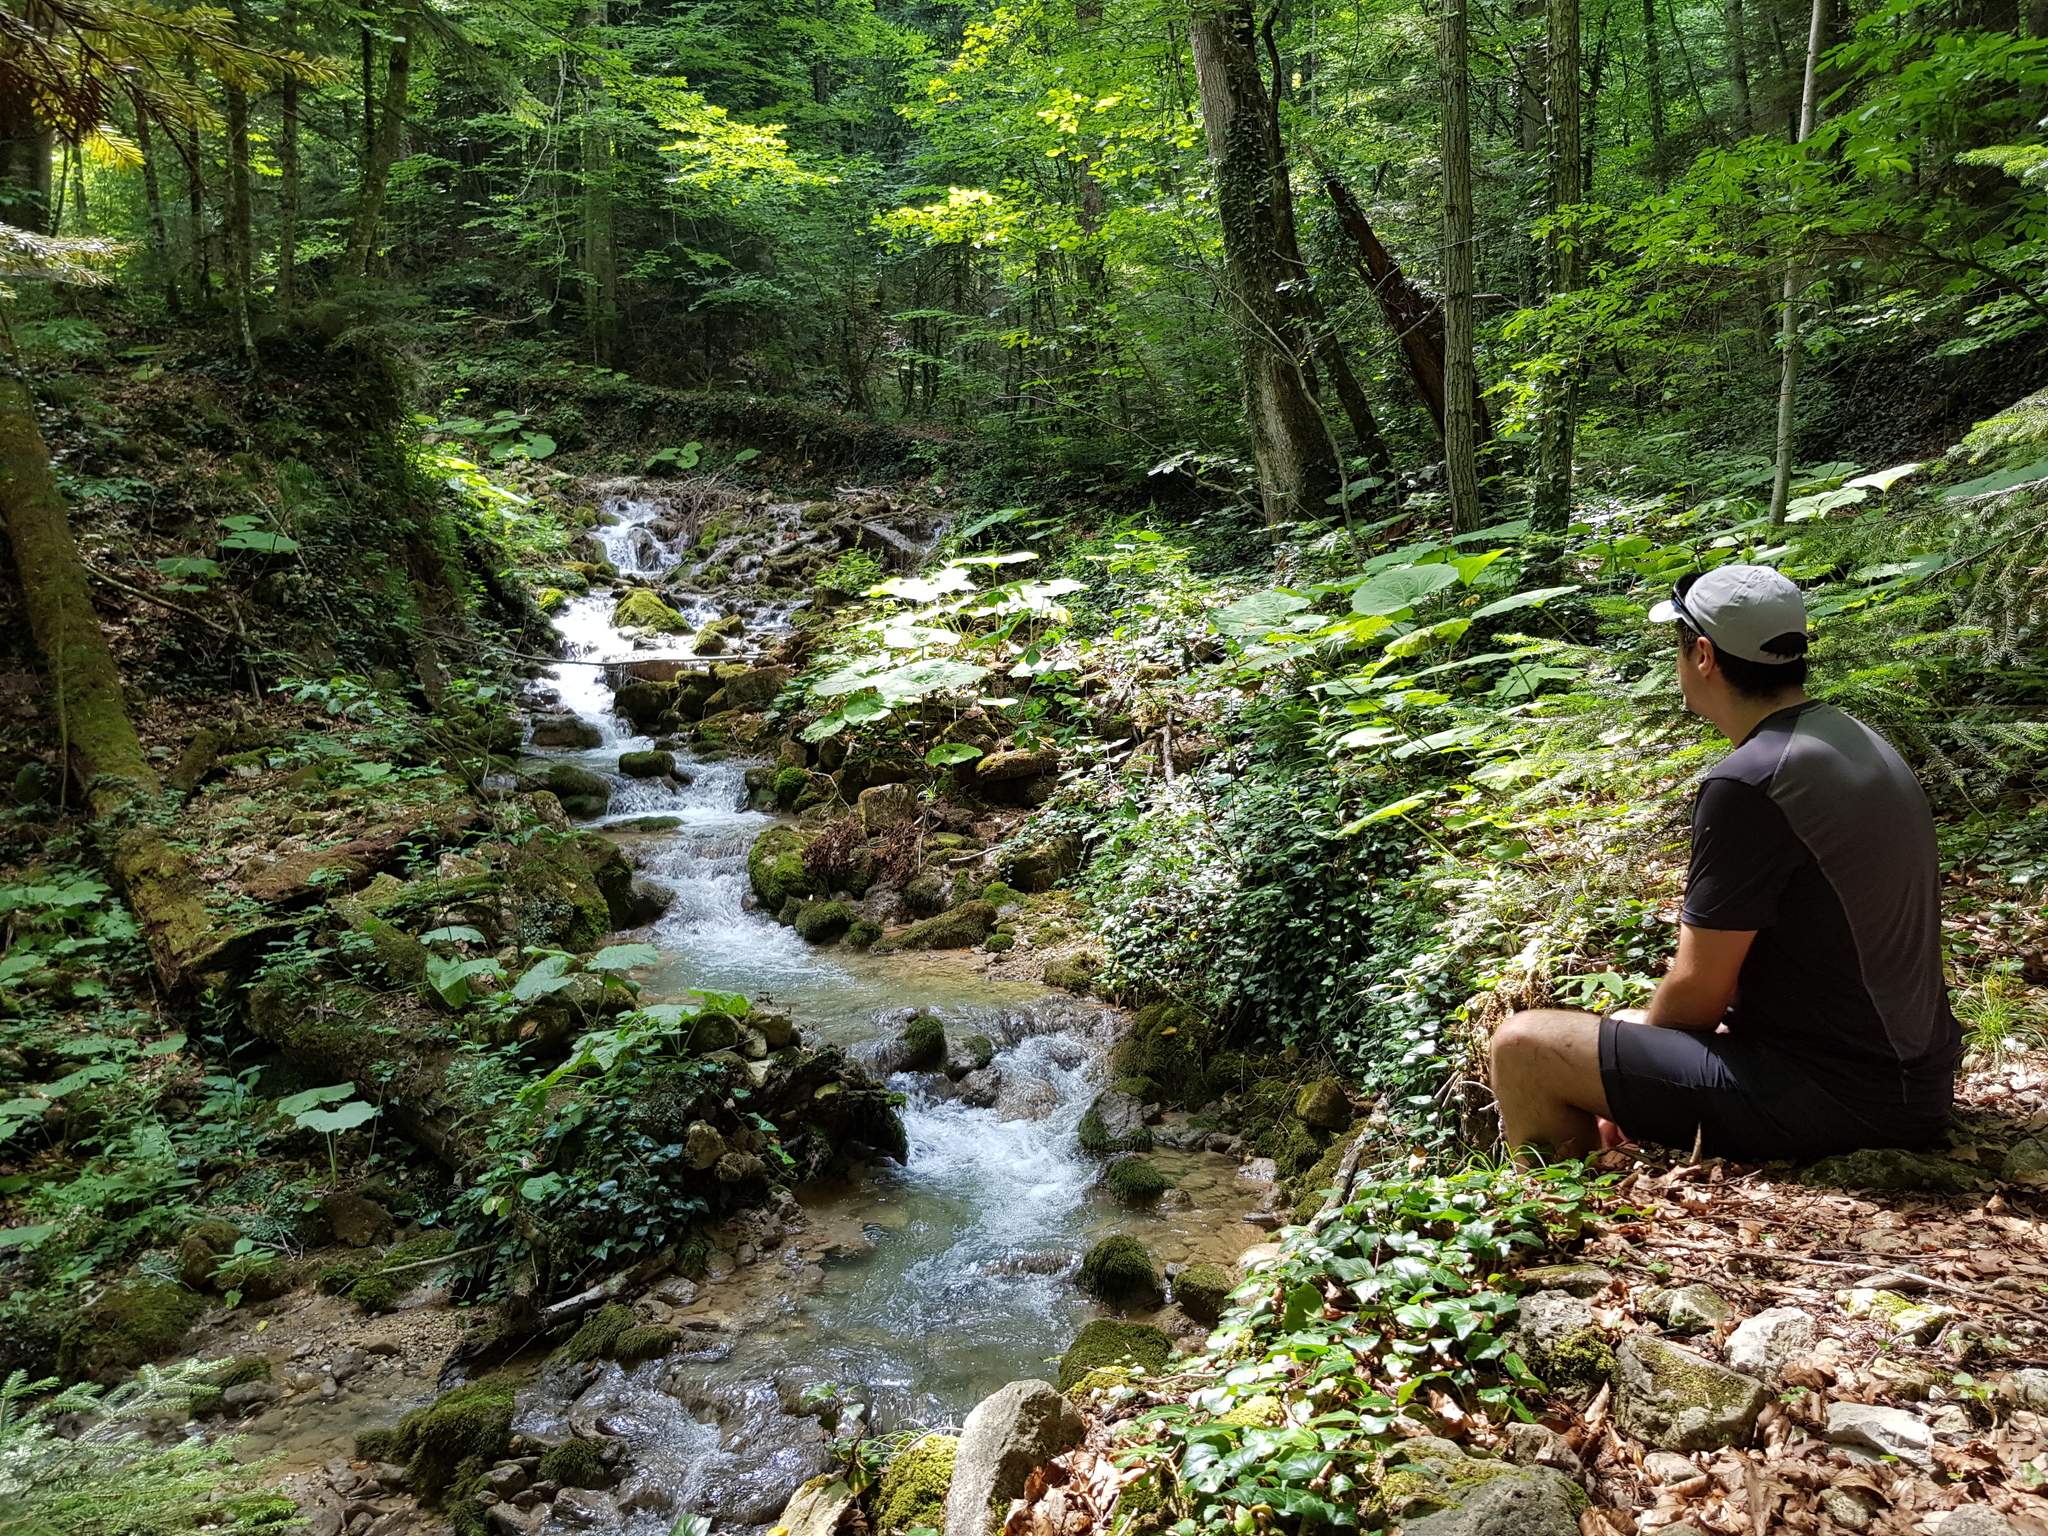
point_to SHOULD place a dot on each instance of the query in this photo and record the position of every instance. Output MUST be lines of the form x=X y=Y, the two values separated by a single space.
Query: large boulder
x=1324 y=1105
x=1433 y=1488
x=564 y=732
x=643 y=609
x=885 y=806
x=997 y=766
x=647 y=765
x=1041 y=864
x=775 y=865
x=1011 y=1432
x=756 y=688
x=1107 y=1345
x=358 y=1222
x=569 y=892
x=1676 y=1401
x=126 y=1326
x=1115 y=1122
x=1892 y=1171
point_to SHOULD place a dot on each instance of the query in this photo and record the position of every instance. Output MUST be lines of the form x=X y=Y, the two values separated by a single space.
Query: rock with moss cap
x=775 y=865
x=647 y=765
x=1118 y=1271
x=1010 y=1434
x=201 y=1247
x=642 y=609
x=1201 y=1290
x=1432 y=1487
x=1107 y=1344
x=470 y=1425
x=824 y=922
x=962 y=928
x=126 y=1326
x=914 y=1485
x=1115 y=1122
x=1134 y=1181
x=1893 y=1171
x=1676 y=1401
x=575 y=1463
x=1324 y=1105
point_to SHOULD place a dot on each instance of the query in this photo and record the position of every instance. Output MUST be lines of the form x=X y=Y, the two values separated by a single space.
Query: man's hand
x=1700 y=985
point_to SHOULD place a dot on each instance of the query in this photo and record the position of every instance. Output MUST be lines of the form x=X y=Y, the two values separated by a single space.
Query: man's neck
x=1737 y=715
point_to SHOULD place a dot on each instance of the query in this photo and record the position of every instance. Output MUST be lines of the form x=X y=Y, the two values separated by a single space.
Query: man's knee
x=1538 y=1041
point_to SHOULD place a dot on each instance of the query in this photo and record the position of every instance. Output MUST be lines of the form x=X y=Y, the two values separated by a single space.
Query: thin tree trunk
x=240 y=232
x=601 y=295
x=1557 y=423
x=384 y=145
x=1789 y=344
x=25 y=163
x=153 y=204
x=1736 y=43
x=288 y=178
x=1653 y=81
x=1461 y=383
x=1291 y=442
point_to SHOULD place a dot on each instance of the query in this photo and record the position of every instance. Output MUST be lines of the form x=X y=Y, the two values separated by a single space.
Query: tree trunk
x=1788 y=316
x=240 y=231
x=288 y=178
x=25 y=170
x=1653 y=81
x=98 y=737
x=1557 y=424
x=153 y=203
x=384 y=145
x=1461 y=383
x=600 y=261
x=1736 y=42
x=1295 y=453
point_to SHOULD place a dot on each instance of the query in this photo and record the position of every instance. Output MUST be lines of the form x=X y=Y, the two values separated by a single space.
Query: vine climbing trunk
x=1558 y=416
x=1291 y=442
x=384 y=144
x=1461 y=380
x=1789 y=344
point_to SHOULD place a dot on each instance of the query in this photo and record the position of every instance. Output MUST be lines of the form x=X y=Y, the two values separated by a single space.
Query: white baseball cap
x=1739 y=608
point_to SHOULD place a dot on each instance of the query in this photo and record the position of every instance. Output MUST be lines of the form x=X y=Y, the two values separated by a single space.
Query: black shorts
x=1742 y=1100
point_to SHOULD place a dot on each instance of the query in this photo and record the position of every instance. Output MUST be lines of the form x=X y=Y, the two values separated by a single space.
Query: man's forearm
x=1686 y=1002
x=1700 y=985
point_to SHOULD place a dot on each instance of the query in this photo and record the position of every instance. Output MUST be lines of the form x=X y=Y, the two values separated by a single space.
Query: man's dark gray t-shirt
x=1814 y=833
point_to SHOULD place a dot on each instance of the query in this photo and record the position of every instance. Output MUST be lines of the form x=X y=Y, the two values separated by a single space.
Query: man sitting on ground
x=1805 y=1013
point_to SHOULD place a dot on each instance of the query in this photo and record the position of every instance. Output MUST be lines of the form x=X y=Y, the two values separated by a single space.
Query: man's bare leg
x=1546 y=1080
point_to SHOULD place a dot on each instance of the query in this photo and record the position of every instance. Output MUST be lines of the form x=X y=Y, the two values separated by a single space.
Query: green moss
x=996 y=943
x=337 y=1279
x=1143 y=1089
x=1580 y=1362
x=573 y=1464
x=203 y=1401
x=861 y=934
x=1136 y=1182
x=245 y=1368
x=996 y=893
x=1322 y=1174
x=775 y=865
x=820 y=922
x=1168 y=1043
x=1261 y=1412
x=470 y=1424
x=375 y=1293
x=924 y=1044
x=1093 y=1135
x=914 y=1484
x=788 y=784
x=127 y=1326
x=599 y=1335
x=641 y=609
x=1118 y=1270
x=1201 y=1290
x=966 y=925
x=1104 y=1343
x=643 y=1343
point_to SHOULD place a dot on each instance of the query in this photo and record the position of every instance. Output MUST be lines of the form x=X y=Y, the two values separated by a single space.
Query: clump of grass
x=2001 y=1016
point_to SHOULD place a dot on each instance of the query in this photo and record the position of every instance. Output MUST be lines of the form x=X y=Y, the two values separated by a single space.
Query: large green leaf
x=1259 y=614
x=313 y=1098
x=622 y=957
x=1403 y=587
x=1999 y=480
x=922 y=677
x=1530 y=599
x=330 y=1121
x=543 y=978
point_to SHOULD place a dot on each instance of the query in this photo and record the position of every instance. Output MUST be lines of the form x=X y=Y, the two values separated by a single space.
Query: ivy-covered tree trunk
x=384 y=145
x=1291 y=442
x=1461 y=380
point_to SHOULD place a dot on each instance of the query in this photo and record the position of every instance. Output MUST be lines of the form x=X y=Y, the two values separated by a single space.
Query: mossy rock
x=1075 y=973
x=127 y=1326
x=914 y=1485
x=243 y=1368
x=926 y=894
x=1136 y=1182
x=924 y=1044
x=1096 y=1137
x=200 y=1248
x=962 y=928
x=642 y=609
x=1579 y=1362
x=821 y=922
x=1322 y=1174
x=1893 y=1171
x=861 y=934
x=775 y=865
x=1118 y=1271
x=788 y=783
x=1261 y=1412
x=1106 y=1343
x=338 y=1279
x=1169 y=1044
x=1143 y=1089
x=647 y=765
x=1000 y=893
x=599 y=1334
x=569 y=892
x=472 y=1423
x=996 y=943
x=645 y=1342
x=574 y=1463
x=1202 y=1290
x=375 y=1293
x=1324 y=1105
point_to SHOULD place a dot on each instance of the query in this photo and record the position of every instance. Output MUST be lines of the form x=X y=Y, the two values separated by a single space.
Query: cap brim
x=1664 y=613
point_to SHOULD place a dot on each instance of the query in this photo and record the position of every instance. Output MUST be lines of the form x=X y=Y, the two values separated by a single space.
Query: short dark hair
x=1757 y=679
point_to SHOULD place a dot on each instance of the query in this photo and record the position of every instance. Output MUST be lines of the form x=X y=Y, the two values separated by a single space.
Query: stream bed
x=913 y=1290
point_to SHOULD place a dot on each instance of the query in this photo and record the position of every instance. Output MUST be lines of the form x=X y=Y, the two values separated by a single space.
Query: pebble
x=1882 y=1431
x=1767 y=1343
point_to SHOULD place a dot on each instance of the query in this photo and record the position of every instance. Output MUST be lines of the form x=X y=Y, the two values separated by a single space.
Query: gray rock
x=646 y=1493
x=1894 y=1171
x=1668 y=1467
x=245 y=1395
x=358 y=1222
x=324 y=1520
x=2029 y=1389
x=1529 y=1501
x=511 y=1520
x=969 y=1053
x=506 y=1479
x=646 y=900
x=1123 y=1117
x=704 y=1144
x=2026 y=1163
x=1545 y=1319
x=564 y=732
x=1573 y=1279
x=1010 y=1432
x=885 y=806
x=1026 y=1098
x=1850 y=1508
x=1765 y=1344
x=1687 y=1308
x=1676 y=1401
x=1975 y=1520
x=1883 y=1431
x=1538 y=1445
x=586 y=1507
x=981 y=1090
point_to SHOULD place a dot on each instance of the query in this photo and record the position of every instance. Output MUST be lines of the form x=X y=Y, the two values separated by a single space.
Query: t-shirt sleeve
x=1744 y=852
